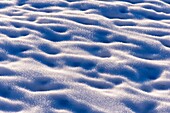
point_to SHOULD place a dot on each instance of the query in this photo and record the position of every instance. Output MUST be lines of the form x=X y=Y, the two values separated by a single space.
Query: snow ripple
x=85 y=56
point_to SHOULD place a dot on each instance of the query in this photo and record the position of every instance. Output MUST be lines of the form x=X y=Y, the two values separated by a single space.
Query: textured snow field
x=85 y=56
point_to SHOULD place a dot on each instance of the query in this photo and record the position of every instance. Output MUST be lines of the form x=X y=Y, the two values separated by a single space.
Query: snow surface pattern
x=85 y=56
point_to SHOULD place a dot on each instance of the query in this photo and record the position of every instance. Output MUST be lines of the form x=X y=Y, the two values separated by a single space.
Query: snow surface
x=85 y=56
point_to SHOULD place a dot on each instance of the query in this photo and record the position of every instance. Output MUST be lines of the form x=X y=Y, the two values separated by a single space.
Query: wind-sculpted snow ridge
x=85 y=56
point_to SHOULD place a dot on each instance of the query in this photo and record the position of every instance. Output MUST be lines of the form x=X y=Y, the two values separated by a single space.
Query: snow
x=85 y=56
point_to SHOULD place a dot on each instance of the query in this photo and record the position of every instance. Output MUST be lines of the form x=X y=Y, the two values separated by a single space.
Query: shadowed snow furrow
x=82 y=56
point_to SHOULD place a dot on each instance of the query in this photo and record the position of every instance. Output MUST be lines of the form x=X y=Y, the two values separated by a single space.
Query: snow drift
x=85 y=56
